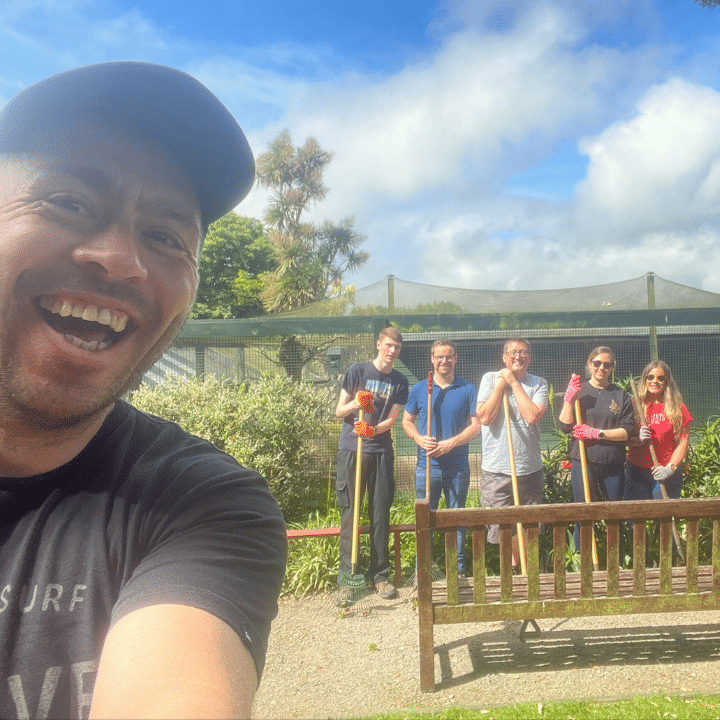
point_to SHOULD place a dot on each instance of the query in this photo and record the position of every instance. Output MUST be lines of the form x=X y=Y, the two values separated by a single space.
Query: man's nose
x=115 y=252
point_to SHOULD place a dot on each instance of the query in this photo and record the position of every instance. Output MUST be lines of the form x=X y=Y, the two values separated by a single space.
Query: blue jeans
x=606 y=481
x=454 y=485
x=641 y=485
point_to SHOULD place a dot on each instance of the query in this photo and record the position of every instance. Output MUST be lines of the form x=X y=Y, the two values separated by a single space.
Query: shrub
x=702 y=468
x=267 y=425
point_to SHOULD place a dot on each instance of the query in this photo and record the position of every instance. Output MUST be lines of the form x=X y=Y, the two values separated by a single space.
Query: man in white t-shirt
x=528 y=402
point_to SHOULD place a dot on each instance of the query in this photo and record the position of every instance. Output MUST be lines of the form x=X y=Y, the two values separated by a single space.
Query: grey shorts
x=496 y=491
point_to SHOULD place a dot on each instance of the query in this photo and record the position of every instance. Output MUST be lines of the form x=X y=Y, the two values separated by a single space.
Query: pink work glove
x=362 y=428
x=585 y=432
x=365 y=399
x=573 y=389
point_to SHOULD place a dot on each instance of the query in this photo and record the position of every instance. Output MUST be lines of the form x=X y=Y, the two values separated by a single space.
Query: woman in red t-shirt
x=667 y=428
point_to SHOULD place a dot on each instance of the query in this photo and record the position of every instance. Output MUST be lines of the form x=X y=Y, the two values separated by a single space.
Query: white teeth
x=94 y=345
x=89 y=313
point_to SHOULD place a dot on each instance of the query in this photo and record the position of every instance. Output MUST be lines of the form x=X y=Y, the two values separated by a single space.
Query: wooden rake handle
x=513 y=475
x=586 y=480
x=357 y=495
x=429 y=432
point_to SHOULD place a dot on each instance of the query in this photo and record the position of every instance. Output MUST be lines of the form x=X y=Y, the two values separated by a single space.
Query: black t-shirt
x=388 y=389
x=146 y=514
x=605 y=409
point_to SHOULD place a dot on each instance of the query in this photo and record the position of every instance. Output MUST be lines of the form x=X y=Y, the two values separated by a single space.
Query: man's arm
x=462 y=438
x=387 y=423
x=487 y=410
x=346 y=404
x=176 y=661
x=426 y=442
x=530 y=410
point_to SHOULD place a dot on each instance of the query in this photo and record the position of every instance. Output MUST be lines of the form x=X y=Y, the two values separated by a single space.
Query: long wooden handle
x=642 y=421
x=586 y=480
x=515 y=489
x=356 y=508
x=429 y=432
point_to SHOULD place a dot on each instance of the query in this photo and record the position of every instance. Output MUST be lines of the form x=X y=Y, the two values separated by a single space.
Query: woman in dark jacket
x=605 y=424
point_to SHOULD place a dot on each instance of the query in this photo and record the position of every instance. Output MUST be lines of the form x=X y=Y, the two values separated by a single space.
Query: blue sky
x=494 y=144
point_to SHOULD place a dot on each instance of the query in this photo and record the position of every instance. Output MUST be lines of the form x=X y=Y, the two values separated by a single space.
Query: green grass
x=699 y=707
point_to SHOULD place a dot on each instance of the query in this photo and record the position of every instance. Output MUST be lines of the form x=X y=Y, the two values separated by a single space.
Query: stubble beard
x=38 y=410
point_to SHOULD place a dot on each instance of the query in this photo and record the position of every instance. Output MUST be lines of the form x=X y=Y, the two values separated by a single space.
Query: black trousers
x=378 y=479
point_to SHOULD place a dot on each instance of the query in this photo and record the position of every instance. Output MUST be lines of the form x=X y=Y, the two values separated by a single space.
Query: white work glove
x=662 y=472
x=645 y=434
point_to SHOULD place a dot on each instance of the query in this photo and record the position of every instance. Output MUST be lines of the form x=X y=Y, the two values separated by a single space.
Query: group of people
x=632 y=450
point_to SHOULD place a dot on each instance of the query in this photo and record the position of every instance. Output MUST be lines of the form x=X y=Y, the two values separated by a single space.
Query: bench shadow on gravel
x=501 y=651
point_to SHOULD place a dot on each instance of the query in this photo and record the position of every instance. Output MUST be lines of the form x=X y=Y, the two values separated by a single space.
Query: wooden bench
x=561 y=593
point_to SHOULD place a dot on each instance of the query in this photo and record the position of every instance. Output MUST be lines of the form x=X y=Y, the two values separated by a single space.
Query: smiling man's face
x=98 y=269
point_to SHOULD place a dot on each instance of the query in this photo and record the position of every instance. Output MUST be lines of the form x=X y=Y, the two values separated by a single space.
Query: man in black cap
x=139 y=566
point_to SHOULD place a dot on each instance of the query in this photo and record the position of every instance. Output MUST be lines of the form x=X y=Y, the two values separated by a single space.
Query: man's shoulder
x=143 y=439
x=461 y=382
x=534 y=380
x=399 y=378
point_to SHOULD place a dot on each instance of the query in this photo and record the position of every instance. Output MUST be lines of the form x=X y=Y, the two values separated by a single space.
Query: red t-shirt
x=663 y=436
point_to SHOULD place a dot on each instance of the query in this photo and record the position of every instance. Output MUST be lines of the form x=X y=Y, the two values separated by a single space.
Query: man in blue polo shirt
x=454 y=425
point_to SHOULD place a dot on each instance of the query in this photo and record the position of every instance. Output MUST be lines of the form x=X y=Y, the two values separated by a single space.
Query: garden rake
x=515 y=489
x=354 y=585
x=586 y=482
x=436 y=573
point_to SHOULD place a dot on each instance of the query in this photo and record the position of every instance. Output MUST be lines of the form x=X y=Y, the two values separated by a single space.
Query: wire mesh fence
x=692 y=351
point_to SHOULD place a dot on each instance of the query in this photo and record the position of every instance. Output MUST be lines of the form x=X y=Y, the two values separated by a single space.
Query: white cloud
x=659 y=171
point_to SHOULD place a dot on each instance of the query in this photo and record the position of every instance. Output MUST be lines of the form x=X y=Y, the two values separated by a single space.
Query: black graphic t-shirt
x=146 y=514
x=388 y=388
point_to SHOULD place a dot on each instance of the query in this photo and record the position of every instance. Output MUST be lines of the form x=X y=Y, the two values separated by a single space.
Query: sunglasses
x=604 y=364
x=657 y=378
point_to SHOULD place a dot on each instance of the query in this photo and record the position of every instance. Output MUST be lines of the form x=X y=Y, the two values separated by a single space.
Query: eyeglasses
x=657 y=378
x=445 y=358
x=606 y=365
x=518 y=353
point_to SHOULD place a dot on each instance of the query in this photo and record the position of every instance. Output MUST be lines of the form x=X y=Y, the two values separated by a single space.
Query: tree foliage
x=310 y=259
x=235 y=255
x=708 y=3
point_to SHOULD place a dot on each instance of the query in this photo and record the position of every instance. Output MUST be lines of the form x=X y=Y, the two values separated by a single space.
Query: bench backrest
x=559 y=518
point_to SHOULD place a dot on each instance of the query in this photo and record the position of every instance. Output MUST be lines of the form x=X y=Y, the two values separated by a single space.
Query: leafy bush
x=267 y=425
x=313 y=562
x=702 y=468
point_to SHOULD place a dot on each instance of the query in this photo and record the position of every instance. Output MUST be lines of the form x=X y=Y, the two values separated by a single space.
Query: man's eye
x=71 y=204
x=164 y=238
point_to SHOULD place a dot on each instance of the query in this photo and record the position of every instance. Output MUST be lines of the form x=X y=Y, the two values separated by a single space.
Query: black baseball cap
x=168 y=106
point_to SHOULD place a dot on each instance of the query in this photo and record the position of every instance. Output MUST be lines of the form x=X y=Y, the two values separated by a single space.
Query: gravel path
x=320 y=665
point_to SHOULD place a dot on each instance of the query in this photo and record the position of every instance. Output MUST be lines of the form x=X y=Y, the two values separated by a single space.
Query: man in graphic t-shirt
x=389 y=390
x=139 y=566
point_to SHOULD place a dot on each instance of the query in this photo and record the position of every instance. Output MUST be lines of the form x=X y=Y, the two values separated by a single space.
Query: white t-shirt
x=525 y=437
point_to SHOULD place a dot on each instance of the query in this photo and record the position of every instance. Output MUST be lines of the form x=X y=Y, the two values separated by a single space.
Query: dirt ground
x=321 y=665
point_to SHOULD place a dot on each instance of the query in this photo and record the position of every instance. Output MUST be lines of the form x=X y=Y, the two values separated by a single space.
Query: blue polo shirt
x=451 y=410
